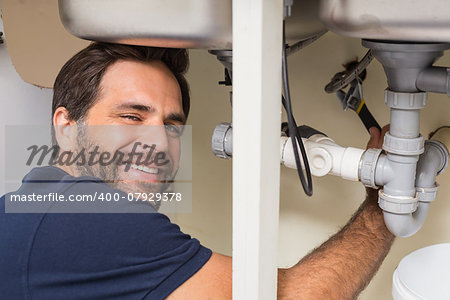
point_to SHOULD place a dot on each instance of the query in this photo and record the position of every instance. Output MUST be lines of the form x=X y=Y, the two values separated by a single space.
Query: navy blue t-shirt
x=91 y=255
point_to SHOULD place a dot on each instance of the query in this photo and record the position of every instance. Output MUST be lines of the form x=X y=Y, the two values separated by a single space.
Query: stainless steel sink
x=400 y=20
x=175 y=23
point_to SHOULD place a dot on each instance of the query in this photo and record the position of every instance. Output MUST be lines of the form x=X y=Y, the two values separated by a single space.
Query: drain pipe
x=431 y=163
x=407 y=171
x=324 y=155
x=405 y=196
x=404 y=215
x=403 y=145
x=395 y=171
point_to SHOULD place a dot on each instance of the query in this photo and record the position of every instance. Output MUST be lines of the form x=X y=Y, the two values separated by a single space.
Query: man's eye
x=173 y=130
x=130 y=117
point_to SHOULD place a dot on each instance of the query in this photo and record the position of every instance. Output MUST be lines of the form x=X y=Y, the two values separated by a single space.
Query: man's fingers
x=374 y=133
x=385 y=129
x=374 y=137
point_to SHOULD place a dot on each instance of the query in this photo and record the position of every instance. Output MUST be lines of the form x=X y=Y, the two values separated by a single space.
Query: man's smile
x=141 y=173
x=145 y=169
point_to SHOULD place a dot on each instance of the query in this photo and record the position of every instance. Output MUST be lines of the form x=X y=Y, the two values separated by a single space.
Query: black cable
x=294 y=134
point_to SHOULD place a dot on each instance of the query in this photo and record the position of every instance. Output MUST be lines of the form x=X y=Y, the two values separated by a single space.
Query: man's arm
x=339 y=269
x=344 y=265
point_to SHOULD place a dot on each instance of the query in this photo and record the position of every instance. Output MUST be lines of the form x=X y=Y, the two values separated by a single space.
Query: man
x=144 y=256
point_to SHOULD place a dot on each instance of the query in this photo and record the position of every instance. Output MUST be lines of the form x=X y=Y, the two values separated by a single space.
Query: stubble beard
x=111 y=174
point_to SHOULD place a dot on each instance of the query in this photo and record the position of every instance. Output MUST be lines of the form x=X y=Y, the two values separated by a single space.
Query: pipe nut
x=407 y=101
x=403 y=146
x=427 y=194
x=220 y=140
x=397 y=204
x=368 y=166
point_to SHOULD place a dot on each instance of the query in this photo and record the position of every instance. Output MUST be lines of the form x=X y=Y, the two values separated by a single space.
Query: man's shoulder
x=143 y=254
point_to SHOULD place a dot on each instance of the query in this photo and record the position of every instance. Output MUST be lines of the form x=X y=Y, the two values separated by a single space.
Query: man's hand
x=375 y=141
x=344 y=265
x=376 y=137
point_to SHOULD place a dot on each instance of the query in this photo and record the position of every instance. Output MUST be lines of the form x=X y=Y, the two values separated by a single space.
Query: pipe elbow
x=405 y=225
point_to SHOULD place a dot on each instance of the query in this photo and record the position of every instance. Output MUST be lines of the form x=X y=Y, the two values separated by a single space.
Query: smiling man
x=108 y=99
x=137 y=104
x=128 y=99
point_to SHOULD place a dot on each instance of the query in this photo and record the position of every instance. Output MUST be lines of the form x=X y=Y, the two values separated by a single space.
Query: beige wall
x=39 y=46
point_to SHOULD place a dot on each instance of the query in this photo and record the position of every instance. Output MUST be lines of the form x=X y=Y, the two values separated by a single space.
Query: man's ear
x=65 y=129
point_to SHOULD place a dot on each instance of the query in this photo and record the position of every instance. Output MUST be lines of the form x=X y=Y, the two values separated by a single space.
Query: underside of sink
x=399 y=20
x=175 y=23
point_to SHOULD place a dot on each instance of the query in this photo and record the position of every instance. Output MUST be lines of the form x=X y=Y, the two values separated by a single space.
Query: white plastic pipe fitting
x=324 y=157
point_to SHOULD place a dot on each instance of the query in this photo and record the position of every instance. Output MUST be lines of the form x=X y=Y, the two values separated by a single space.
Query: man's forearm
x=342 y=266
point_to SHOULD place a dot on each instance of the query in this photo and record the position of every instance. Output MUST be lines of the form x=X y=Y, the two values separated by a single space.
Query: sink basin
x=399 y=20
x=175 y=23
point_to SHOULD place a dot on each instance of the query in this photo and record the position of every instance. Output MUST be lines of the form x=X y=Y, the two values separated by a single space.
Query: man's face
x=139 y=106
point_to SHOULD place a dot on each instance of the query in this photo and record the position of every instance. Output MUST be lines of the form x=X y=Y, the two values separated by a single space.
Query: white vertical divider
x=257 y=46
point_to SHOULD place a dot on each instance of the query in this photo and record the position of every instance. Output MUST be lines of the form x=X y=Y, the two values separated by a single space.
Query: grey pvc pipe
x=434 y=79
x=428 y=167
x=404 y=168
x=408 y=224
x=404 y=123
x=430 y=163
x=383 y=172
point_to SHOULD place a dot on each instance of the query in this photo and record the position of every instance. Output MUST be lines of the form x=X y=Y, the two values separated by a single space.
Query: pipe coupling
x=427 y=194
x=403 y=146
x=222 y=141
x=397 y=204
x=368 y=166
x=406 y=101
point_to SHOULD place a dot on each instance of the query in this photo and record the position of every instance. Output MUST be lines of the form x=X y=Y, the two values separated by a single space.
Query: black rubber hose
x=294 y=135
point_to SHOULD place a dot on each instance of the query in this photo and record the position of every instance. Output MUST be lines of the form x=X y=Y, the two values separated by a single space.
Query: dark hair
x=77 y=85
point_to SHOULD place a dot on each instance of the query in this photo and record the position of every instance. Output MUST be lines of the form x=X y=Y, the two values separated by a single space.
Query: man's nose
x=155 y=135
